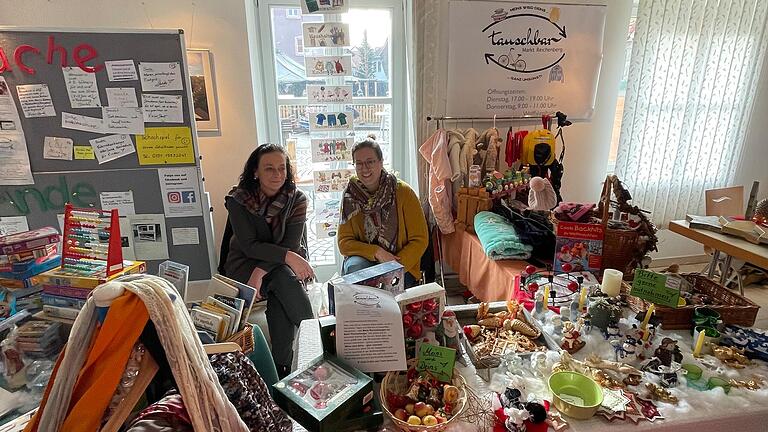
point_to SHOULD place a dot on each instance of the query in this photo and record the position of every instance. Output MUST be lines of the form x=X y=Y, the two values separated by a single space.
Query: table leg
x=713 y=265
x=726 y=270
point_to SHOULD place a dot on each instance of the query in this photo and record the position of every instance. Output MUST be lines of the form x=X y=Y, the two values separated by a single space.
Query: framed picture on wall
x=203 y=93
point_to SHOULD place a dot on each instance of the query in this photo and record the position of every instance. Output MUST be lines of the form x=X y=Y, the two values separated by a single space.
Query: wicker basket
x=397 y=382
x=619 y=246
x=244 y=338
x=733 y=308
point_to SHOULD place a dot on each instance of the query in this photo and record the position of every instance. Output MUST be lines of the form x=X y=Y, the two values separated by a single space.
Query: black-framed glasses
x=370 y=163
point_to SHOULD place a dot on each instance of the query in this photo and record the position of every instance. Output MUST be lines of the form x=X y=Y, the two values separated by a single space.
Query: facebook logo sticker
x=188 y=196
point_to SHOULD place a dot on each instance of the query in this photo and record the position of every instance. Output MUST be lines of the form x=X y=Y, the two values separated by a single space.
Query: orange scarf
x=100 y=375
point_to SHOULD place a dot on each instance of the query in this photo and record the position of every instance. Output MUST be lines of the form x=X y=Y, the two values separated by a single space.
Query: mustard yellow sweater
x=412 y=235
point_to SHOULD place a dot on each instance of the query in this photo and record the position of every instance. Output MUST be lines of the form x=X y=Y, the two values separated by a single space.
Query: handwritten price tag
x=438 y=361
x=653 y=287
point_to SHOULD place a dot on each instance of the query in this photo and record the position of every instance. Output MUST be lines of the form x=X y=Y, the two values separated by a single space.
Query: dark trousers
x=355 y=263
x=287 y=306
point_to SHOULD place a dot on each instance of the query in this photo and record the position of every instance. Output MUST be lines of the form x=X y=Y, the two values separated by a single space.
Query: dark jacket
x=248 y=242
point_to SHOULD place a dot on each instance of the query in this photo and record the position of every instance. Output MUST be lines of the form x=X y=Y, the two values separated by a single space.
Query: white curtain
x=692 y=77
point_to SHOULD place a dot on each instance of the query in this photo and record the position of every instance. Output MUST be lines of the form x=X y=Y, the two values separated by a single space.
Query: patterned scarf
x=379 y=210
x=274 y=209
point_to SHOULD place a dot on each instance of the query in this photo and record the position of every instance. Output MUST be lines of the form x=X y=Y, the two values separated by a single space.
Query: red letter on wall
x=17 y=57
x=80 y=61
x=52 y=47
x=4 y=65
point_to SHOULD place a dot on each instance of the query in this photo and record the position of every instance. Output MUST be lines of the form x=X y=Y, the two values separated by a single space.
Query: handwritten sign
x=161 y=146
x=83 y=152
x=161 y=108
x=123 y=120
x=160 y=76
x=57 y=148
x=81 y=123
x=81 y=87
x=35 y=100
x=655 y=288
x=438 y=361
x=112 y=147
x=122 y=97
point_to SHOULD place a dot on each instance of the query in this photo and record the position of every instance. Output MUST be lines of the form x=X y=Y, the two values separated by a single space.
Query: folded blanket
x=499 y=237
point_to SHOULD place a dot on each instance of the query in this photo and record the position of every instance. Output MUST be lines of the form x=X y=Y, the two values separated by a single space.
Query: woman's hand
x=383 y=255
x=255 y=280
x=299 y=265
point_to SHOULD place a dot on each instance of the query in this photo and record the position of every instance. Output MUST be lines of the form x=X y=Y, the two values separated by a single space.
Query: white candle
x=611 y=285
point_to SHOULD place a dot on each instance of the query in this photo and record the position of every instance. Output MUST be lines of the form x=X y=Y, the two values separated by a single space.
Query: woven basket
x=733 y=308
x=244 y=338
x=619 y=246
x=397 y=382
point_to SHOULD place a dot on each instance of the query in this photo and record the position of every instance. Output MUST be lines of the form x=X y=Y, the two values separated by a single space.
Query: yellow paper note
x=84 y=152
x=165 y=145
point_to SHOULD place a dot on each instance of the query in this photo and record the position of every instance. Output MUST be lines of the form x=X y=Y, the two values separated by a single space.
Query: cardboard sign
x=655 y=288
x=438 y=361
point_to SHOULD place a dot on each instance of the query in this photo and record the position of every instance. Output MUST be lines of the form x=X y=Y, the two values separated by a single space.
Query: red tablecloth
x=487 y=279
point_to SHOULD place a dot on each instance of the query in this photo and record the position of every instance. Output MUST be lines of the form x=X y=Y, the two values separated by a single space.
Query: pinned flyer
x=122 y=120
x=181 y=192
x=57 y=148
x=81 y=123
x=83 y=152
x=165 y=146
x=160 y=76
x=35 y=100
x=150 y=239
x=160 y=108
x=122 y=97
x=112 y=147
x=81 y=87
x=121 y=70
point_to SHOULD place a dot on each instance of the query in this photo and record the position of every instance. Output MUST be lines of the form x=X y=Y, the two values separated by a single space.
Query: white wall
x=218 y=25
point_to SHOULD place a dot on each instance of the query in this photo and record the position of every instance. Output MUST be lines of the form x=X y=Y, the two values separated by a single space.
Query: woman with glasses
x=265 y=245
x=381 y=217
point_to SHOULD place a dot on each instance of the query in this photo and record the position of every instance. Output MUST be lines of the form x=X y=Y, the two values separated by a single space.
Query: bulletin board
x=130 y=131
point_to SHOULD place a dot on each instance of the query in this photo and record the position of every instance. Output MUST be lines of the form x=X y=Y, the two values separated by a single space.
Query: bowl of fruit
x=418 y=403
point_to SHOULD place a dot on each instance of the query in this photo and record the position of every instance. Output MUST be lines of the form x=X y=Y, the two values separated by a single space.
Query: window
x=298 y=45
x=293 y=13
x=622 y=91
x=377 y=84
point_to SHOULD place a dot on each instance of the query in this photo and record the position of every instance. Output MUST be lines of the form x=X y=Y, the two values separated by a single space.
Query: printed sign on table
x=330 y=120
x=327 y=94
x=529 y=57
x=332 y=180
x=325 y=34
x=323 y=66
x=332 y=149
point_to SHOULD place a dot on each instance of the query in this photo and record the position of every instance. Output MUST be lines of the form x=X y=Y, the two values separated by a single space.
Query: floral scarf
x=274 y=210
x=379 y=210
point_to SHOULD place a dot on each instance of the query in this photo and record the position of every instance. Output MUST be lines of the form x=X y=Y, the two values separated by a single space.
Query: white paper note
x=126 y=239
x=57 y=148
x=122 y=97
x=121 y=70
x=149 y=236
x=82 y=88
x=112 y=147
x=81 y=123
x=123 y=120
x=122 y=201
x=369 y=329
x=180 y=191
x=13 y=224
x=162 y=108
x=14 y=159
x=35 y=100
x=160 y=76
x=185 y=236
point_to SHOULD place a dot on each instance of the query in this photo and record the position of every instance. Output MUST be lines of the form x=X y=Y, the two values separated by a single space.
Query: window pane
x=370 y=34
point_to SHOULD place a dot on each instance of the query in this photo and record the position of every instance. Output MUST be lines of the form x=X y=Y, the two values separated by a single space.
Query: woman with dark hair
x=267 y=245
x=381 y=217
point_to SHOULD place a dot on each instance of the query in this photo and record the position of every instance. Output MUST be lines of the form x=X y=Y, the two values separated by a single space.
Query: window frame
x=265 y=81
x=295 y=15
x=298 y=41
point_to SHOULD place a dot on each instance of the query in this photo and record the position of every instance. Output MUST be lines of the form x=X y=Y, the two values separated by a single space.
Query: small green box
x=324 y=393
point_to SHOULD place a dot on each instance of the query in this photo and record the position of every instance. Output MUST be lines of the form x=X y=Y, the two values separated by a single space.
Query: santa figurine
x=448 y=330
x=571 y=340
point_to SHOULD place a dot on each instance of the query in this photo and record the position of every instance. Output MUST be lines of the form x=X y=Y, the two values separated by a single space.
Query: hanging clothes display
x=435 y=152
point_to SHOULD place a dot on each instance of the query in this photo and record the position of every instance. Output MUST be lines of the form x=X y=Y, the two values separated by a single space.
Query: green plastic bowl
x=575 y=395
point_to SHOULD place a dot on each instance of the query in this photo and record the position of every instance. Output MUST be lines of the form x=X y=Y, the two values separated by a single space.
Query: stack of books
x=24 y=256
x=64 y=291
x=224 y=311
x=40 y=339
